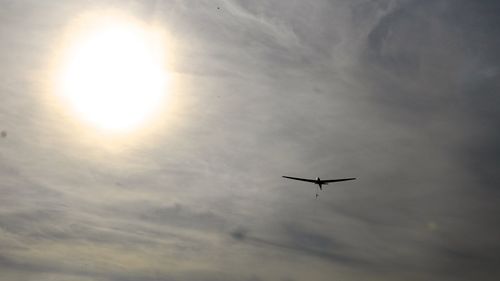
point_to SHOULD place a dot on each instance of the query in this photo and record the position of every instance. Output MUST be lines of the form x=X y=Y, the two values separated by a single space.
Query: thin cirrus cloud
x=400 y=94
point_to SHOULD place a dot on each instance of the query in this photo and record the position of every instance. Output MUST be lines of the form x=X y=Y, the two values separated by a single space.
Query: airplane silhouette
x=319 y=181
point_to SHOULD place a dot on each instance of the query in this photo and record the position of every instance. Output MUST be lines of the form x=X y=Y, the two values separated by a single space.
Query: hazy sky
x=403 y=95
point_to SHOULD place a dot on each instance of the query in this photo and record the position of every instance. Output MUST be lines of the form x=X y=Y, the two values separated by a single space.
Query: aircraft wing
x=300 y=179
x=336 y=180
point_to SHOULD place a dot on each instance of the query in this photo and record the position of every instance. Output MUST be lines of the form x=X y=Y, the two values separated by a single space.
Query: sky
x=401 y=94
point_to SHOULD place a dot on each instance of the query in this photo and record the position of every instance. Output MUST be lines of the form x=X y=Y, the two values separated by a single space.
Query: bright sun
x=114 y=75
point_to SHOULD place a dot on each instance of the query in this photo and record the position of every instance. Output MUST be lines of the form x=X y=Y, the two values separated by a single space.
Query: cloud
x=426 y=65
x=299 y=242
x=401 y=94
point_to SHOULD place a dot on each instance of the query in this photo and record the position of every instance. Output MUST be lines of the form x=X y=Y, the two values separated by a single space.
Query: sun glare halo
x=114 y=75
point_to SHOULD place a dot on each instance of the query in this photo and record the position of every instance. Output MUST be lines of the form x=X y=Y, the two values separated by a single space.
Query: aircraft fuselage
x=319 y=183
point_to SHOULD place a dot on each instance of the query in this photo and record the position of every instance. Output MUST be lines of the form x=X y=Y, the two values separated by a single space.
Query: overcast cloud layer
x=402 y=94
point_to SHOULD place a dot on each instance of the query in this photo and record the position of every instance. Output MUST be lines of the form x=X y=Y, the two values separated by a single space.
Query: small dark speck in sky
x=3 y=134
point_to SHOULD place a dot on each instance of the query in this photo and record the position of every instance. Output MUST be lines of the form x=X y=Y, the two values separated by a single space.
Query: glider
x=319 y=181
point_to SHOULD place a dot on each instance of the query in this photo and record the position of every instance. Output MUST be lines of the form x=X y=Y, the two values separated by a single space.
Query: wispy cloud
x=401 y=94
